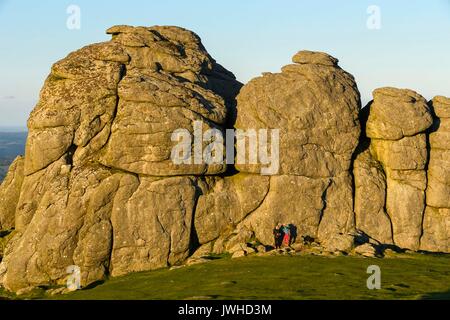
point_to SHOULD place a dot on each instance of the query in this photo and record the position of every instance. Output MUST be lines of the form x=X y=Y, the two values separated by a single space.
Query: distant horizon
x=13 y=129
x=382 y=43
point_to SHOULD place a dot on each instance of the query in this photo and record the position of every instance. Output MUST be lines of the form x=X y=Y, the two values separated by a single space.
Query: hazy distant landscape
x=12 y=144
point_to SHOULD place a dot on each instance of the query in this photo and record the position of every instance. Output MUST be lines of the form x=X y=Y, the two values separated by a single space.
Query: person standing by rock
x=278 y=236
x=286 y=235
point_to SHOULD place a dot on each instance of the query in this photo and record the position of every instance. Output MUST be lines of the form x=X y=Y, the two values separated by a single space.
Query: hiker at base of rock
x=278 y=236
x=286 y=235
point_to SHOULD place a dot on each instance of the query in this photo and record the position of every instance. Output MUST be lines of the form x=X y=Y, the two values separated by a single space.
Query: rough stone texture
x=70 y=226
x=438 y=192
x=370 y=198
x=99 y=189
x=436 y=225
x=366 y=250
x=401 y=161
x=152 y=220
x=337 y=217
x=397 y=113
x=341 y=243
x=315 y=105
x=225 y=202
x=151 y=108
x=9 y=194
x=305 y=212
x=409 y=153
x=405 y=205
x=396 y=123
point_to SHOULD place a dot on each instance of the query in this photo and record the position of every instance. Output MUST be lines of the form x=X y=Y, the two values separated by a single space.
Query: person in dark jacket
x=278 y=236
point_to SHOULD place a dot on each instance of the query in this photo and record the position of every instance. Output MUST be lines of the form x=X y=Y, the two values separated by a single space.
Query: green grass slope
x=408 y=276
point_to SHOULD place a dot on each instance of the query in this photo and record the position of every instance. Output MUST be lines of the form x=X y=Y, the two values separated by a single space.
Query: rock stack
x=98 y=187
x=401 y=178
x=396 y=126
x=315 y=105
x=436 y=224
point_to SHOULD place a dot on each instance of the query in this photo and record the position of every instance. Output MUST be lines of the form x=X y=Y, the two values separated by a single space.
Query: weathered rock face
x=400 y=146
x=370 y=198
x=152 y=220
x=9 y=194
x=397 y=113
x=98 y=189
x=390 y=176
x=315 y=105
x=436 y=227
x=225 y=202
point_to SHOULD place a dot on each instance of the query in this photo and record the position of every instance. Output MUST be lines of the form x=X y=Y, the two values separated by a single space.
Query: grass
x=409 y=276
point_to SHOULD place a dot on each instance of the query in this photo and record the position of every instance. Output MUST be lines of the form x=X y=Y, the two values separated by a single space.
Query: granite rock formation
x=400 y=171
x=436 y=224
x=98 y=188
x=315 y=105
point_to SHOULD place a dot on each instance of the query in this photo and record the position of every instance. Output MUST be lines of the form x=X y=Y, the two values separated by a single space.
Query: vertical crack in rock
x=194 y=243
x=324 y=201
x=69 y=155
x=429 y=131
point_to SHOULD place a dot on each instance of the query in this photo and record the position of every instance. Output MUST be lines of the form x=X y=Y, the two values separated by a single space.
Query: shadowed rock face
x=97 y=187
x=436 y=225
x=400 y=174
x=370 y=198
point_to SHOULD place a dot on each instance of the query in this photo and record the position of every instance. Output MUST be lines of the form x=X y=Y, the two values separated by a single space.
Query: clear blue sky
x=411 y=50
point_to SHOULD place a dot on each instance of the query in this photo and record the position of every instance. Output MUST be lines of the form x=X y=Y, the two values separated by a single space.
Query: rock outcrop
x=370 y=198
x=9 y=194
x=400 y=175
x=436 y=224
x=396 y=126
x=315 y=105
x=98 y=187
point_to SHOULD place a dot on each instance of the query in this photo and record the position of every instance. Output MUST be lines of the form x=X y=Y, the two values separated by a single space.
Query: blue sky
x=411 y=50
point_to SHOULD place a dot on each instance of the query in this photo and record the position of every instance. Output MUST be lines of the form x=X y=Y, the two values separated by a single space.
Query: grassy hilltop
x=407 y=276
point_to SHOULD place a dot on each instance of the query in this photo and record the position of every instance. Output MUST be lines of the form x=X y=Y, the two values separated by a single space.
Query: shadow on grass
x=436 y=296
x=94 y=284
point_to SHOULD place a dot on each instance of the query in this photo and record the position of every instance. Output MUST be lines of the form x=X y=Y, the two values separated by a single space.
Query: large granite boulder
x=397 y=113
x=396 y=125
x=97 y=187
x=314 y=104
x=436 y=227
